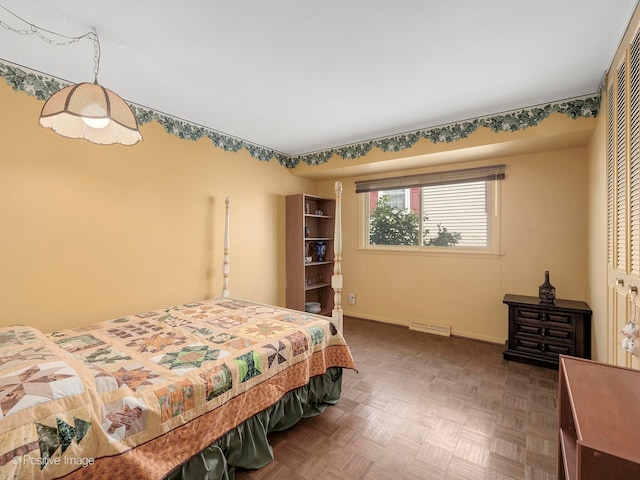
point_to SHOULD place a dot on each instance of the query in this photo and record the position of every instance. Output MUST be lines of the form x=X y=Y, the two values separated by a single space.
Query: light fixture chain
x=34 y=30
x=38 y=32
x=96 y=54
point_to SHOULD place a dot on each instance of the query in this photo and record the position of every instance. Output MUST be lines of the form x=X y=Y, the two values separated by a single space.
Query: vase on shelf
x=320 y=249
x=307 y=252
x=546 y=291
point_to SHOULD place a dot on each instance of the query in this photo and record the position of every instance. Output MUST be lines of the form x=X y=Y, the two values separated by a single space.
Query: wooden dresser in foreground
x=540 y=332
x=599 y=430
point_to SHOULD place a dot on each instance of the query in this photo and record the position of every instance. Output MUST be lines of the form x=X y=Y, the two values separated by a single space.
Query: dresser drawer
x=542 y=346
x=545 y=331
x=558 y=319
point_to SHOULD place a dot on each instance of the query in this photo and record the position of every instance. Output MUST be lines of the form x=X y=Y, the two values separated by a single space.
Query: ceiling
x=299 y=76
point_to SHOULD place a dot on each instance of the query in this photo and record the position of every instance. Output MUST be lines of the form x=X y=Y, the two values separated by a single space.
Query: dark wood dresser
x=539 y=332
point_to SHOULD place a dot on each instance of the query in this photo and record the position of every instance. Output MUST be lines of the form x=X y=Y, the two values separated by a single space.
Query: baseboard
x=482 y=338
x=393 y=321
x=405 y=323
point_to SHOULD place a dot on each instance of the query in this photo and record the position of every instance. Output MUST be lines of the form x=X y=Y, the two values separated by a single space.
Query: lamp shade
x=92 y=112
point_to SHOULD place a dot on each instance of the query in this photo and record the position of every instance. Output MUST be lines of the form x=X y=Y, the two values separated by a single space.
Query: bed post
x=225 y=258
x=336 y=279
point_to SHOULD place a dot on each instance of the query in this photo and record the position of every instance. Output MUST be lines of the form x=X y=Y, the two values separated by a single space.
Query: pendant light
x=86 y=110
x=90 y=111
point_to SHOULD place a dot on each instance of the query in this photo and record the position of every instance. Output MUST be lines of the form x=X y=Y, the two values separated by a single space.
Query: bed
x=189 y=391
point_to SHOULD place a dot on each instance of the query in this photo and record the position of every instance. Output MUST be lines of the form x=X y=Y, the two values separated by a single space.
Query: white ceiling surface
x=299 y=76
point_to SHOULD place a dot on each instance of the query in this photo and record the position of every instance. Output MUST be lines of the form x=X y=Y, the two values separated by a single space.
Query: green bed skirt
x=247 y=445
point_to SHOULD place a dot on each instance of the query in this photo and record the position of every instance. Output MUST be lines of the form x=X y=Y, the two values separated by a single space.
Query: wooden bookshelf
x=309 y=281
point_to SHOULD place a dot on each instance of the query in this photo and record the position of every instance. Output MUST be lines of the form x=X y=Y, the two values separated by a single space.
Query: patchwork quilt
x=137 y=396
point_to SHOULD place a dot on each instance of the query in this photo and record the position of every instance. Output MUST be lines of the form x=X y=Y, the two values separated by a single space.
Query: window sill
x=431 y=251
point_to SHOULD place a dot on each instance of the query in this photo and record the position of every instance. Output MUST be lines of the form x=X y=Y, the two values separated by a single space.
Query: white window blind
x=459 y=207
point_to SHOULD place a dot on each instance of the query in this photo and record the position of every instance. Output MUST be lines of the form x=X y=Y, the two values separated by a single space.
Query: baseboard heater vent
x=443 y=330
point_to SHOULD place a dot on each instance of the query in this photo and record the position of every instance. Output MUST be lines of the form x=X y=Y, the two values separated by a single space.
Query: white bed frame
x=336 y=280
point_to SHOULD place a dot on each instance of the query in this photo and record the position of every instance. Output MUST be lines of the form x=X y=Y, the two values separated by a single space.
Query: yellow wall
x=93 y=232
x=543 y=227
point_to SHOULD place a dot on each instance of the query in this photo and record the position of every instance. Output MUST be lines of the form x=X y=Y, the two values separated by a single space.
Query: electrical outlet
x=352 y=299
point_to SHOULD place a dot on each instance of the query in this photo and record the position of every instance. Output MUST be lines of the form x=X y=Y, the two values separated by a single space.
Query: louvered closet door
x=623 y=200
x=633 y=194
x=614 y=277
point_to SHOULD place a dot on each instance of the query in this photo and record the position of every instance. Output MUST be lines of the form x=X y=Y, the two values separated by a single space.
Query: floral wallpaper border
x=43 y=86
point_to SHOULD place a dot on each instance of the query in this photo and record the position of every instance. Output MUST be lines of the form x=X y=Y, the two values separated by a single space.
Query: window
x=398 y=197
x=456 y=209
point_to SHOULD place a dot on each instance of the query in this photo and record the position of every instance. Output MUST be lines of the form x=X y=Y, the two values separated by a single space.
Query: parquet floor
x=425 y=407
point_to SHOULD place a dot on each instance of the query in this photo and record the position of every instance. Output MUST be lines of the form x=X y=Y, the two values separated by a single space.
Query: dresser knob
x=619 y=282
